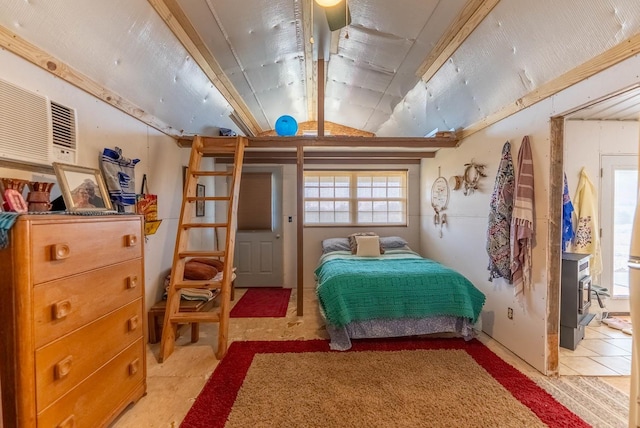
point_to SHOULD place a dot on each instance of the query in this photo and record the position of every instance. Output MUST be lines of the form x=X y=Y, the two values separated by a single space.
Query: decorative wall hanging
x=440 y=200
x=473 y=172
x=455 y=182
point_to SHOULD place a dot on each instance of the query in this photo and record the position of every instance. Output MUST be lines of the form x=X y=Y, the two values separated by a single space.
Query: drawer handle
x=133 y=367
x=63 y=368
x=60 y=310
x=132 y=281
x=132 y=240
x=70 y=422
x=132 y=323
x=60 y=251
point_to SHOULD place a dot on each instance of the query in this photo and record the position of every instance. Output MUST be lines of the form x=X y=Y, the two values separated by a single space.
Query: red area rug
x=262 y=303
x=224 y=396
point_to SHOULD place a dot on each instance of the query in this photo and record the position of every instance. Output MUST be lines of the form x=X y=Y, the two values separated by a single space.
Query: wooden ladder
x=173 y=316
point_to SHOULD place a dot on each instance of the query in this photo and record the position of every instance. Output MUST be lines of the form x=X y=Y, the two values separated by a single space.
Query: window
x=618 y=204
x=355 y=198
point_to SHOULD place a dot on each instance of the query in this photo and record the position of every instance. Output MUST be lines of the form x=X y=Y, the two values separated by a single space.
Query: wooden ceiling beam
x=448 y=140
x=308 y=155
x=293 y=160
x=622 y=51
x=471 y=16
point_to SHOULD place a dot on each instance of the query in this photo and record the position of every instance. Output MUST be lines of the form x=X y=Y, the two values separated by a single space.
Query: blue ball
x=286 y=126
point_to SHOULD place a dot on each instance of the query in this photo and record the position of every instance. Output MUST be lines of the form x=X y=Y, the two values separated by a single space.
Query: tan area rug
x=390 y=383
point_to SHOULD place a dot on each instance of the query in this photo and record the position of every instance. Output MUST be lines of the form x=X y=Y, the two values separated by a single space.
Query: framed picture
x=200 y=204
x=83 y=189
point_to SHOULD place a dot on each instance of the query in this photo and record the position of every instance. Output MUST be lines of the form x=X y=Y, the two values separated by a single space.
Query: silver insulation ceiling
x=263 y=46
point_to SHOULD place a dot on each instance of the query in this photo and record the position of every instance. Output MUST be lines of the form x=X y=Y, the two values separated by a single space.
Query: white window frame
x=610 y=164
x=352 y=199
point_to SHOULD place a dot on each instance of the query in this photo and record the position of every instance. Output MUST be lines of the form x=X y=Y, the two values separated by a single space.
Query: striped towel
x=6 y=221
x=522 y=220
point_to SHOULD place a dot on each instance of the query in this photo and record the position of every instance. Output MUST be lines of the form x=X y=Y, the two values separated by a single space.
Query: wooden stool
x=156 y=317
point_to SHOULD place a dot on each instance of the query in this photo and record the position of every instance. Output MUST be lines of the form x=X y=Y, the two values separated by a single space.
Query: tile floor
x=604 y=351
x=173 y=385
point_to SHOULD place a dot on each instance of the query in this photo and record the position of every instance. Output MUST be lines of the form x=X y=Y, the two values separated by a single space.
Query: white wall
x=463 y=245
x=100 y=126
x=585 y=142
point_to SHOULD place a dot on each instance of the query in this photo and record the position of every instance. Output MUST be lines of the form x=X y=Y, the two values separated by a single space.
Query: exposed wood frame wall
x=300 y=230
x=554 y=234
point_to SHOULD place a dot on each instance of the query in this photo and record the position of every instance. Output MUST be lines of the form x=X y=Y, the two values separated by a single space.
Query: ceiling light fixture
x=328 y=3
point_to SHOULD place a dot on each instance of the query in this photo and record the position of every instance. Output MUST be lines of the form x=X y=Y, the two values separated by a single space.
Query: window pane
x=394 y=192
x=379 y=192
x=326 y=181
x=396 y=217
x=311 y=192
x=342 y=217
x=326 y=192
x=311 y=180
x=311 y=217
x=364 y=192
x=365 y=217
x=380 y=217
x=380 y=206
x=343 y=181
x=311 y=206
x=342 y=206
x=342 y=192
x=326 y=217
x=326 y=206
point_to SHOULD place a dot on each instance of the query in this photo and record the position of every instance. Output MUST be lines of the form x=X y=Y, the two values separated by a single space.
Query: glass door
x=618 y=194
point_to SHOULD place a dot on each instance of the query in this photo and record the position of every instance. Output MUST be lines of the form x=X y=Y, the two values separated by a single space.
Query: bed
x=397 y=293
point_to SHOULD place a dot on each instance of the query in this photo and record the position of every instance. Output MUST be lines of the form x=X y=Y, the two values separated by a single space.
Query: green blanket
x=398 y=284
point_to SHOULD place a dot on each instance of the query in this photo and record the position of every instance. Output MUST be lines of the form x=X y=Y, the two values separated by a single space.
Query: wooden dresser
x=71 y=320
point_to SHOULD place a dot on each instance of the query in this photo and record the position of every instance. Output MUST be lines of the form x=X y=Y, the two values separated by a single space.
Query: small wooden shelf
x=157 y=311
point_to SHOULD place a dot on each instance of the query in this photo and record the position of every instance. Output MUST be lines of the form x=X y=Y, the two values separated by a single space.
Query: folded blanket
x=6 y=222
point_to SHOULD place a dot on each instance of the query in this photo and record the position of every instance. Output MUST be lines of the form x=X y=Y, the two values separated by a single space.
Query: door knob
x=278 y=236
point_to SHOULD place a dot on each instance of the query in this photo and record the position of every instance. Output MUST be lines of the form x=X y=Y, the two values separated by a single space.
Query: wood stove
x=575 y=299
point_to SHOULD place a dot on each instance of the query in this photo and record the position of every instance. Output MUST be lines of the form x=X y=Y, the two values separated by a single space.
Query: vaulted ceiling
x=401 y=68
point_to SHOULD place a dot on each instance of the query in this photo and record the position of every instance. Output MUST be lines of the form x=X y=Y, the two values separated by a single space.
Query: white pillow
x=368 y=246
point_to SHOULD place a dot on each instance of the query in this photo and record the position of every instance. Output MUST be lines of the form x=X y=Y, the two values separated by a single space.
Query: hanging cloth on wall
x=522 y=220
x=500 y=208
x=119 y=177
x=567 y=217
x=587 y=238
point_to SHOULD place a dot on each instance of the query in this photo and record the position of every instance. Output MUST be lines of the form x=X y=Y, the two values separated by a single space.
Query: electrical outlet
x=510 y=313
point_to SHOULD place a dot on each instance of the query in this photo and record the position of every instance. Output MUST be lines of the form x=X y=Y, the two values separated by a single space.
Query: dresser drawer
x=100 y=397
x=62 y=249
x=64 y=305
x=64 y=363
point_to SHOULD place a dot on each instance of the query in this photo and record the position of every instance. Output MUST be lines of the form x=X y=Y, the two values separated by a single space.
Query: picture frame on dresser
x=83 y=188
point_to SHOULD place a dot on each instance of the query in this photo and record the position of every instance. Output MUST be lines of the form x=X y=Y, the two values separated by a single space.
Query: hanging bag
x=147 y=205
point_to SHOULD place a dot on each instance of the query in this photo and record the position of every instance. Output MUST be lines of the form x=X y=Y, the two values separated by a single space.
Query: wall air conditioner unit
x=35 y=130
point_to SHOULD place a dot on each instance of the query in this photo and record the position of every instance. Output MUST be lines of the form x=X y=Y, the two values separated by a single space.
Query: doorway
x=259 y=242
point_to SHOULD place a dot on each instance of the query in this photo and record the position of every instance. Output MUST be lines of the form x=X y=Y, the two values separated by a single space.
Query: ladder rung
x=184 y=254
x=208 y=198
x=212 y=173
x=189 y=317
x=217 y=149
x=201 y=284
x=192 y=225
